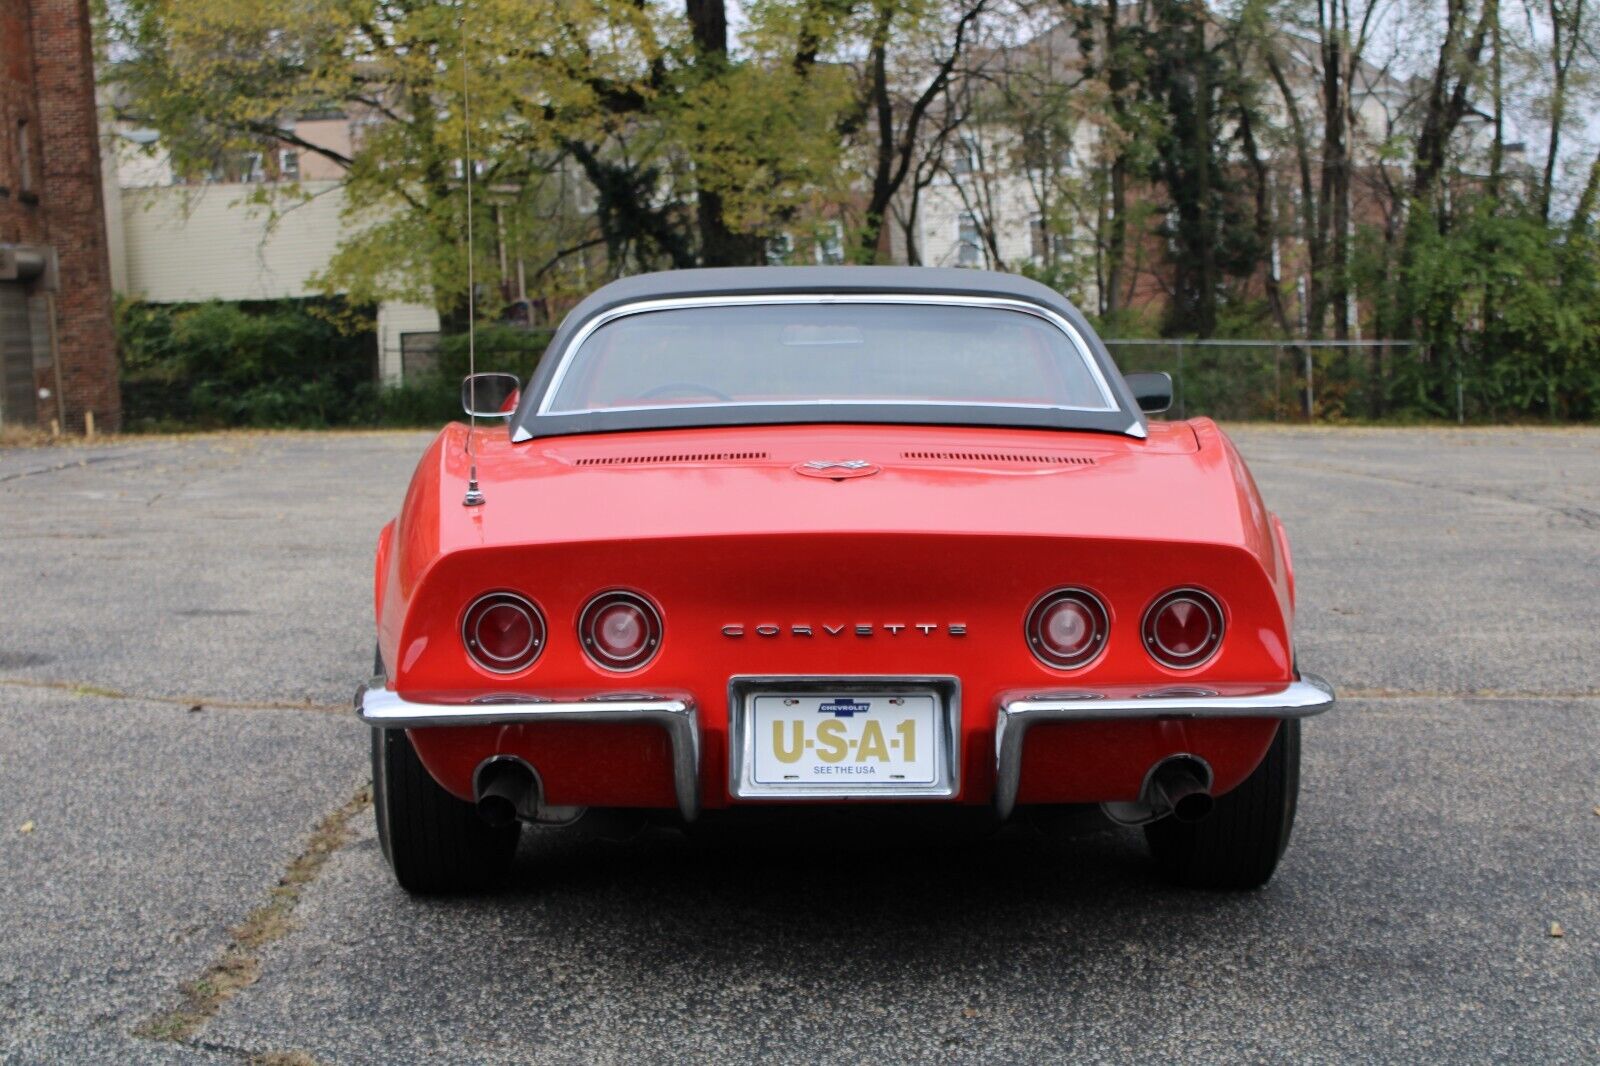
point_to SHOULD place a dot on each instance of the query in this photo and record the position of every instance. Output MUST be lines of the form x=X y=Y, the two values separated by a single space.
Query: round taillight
x=503 y=632
x=1067 y=628
x=620 y=630
x=1183 y=628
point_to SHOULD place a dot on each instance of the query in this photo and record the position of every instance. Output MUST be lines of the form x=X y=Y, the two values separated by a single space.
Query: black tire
x=379 y=793
x=1237 y=846
x=435 y=843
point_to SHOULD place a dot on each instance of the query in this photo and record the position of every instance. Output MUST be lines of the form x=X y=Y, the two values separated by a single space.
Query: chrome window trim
x=379 y=706
x=1298 y=699
x=741 y=742
x=1081 y=346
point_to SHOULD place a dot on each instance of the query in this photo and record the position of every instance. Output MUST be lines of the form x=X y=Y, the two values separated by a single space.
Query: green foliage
x=611 y=94
x=761 y=137
x=434 y=398
x=1506 y=308
x=284 y=363
x=1517 y=311
x=499 y=348
x=612 y=136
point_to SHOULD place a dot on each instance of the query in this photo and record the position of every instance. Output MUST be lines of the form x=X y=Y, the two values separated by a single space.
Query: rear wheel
x=435 y=843
x=1237 y=845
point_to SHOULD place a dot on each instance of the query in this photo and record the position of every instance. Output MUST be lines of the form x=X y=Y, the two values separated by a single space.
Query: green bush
x=215 y=365
x=288 y=364
x=1507 y=307
x=435 y=398
x=499 y=348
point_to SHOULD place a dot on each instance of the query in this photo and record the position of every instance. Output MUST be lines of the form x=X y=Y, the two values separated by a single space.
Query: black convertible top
x=818 y=280
x=741 y=281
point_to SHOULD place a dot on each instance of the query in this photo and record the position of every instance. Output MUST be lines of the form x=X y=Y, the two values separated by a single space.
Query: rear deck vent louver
x=1001 y=457
x=688 y=457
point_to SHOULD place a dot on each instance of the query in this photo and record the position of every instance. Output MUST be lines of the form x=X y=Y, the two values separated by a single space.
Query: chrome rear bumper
x=378 y=706
x=1298 y=699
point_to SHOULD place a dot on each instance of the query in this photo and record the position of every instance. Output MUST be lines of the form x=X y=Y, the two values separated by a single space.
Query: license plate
x=855 y=740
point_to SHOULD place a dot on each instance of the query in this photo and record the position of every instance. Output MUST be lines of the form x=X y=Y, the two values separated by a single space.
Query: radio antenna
x=474 y=496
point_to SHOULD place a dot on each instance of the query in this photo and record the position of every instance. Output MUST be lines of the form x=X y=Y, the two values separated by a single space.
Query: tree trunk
x=1447 y=104
x=1263 y=222
x=896 y=147
x=1117 y=86
x=1310 y=229
x=870 y=246
x=1205 y=316
x=1497 y=148
x=1586 y=200
x=1327 y=283
x=1561 y=66
x=719 y=244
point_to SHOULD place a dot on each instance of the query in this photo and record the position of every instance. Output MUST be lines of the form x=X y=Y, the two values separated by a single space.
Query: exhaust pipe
x=507 y=792
x=1180 y=785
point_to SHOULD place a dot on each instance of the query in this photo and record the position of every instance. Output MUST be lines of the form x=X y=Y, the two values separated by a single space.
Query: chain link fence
x=1304 y=381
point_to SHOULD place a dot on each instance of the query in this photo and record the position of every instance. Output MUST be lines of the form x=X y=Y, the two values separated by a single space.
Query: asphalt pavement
x=188 y=873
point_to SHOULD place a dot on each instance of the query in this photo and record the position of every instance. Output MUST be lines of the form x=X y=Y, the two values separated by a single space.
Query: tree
x=1566 y=37
x=908 y=42
x=676 y=138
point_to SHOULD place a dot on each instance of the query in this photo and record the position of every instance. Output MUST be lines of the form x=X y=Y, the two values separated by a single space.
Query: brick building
x=57 y=345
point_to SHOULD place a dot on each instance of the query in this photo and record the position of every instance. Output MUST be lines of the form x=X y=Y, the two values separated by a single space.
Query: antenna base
x=474 y=496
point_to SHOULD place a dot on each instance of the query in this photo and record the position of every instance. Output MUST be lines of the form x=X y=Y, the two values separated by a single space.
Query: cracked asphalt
x=182 y=621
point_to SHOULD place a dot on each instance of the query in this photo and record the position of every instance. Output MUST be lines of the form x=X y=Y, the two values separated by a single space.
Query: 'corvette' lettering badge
x=839 y=629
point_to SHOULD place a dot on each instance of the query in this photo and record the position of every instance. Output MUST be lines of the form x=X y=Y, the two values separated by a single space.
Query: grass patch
x=239 y=965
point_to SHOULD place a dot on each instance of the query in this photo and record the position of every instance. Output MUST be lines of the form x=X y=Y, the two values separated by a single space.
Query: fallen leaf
x=1597 y=812
x=25 y=827
x=970 y=1012
x=196 y=709
x=1556 y=930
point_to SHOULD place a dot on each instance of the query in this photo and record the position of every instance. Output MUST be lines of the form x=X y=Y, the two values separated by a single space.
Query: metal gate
x=17 y=405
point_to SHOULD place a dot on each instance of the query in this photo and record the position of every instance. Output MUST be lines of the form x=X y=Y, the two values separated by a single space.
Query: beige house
x=183 y=242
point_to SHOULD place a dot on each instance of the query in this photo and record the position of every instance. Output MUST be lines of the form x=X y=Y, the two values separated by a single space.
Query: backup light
x=620 y=630
x=503 y=632
x=1183 y=629
x=1067 y=628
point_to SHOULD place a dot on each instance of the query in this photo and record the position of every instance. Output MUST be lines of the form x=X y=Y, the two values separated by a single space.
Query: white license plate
x=855 y=739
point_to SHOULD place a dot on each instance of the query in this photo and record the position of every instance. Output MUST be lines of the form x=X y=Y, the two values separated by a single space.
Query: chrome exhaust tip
x=507 y=792
x=1181 y=786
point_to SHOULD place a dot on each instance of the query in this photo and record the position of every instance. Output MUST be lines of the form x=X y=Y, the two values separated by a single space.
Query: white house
x=173 y=242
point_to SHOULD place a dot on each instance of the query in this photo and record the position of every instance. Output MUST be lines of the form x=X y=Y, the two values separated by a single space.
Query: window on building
x=964 y=158
x=780 y=249
x=830 y=245
x=289 y=164
x=24 y=157
x=1044 y=150
x=969 y=245
x=1045 y=245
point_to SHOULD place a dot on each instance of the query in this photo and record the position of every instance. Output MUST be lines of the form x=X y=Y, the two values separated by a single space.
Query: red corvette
x=833 y=536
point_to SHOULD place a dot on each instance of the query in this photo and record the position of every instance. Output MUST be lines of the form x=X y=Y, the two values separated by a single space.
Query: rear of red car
x=965 y=573
x=691 y=619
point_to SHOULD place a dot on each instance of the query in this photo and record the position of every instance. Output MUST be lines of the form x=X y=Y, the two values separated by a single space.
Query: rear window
x=827 y=352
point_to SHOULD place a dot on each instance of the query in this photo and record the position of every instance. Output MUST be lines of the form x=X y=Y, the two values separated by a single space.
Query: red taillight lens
x=620 y=630
x=1183 y=628
x=1067 y=628
x=503 y=632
